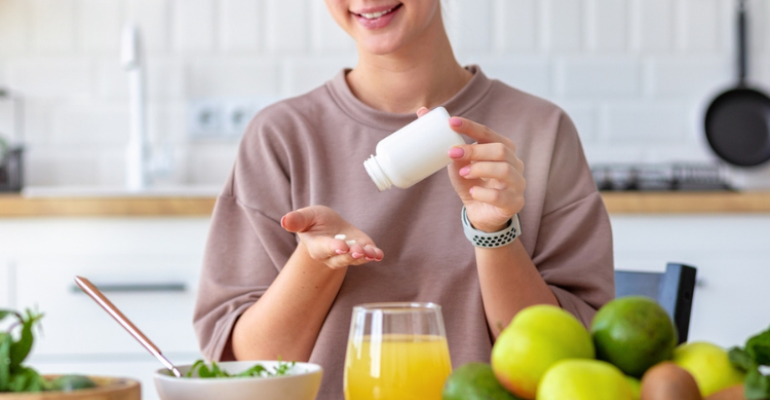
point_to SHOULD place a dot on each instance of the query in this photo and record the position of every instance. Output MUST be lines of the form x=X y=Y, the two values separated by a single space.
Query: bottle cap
x=377 y=174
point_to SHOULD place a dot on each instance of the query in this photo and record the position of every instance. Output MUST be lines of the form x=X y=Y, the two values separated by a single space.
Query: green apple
x=636 y=387
x=709 y=365
x=584 y=380
x=538 y=337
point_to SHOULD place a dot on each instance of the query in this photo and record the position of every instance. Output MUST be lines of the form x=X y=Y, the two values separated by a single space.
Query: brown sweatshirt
x=310 y=150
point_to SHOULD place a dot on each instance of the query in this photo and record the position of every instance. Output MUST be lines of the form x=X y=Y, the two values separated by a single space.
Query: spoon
x=95 y=294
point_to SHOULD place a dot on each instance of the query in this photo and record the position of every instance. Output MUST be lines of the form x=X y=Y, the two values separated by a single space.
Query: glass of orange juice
x=396 y=351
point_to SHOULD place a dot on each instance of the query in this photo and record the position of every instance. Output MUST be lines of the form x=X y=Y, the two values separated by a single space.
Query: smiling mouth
x=378 y=14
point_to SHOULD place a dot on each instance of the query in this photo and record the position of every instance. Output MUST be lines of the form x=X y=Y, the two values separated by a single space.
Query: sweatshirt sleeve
x=574 y=243
x=246 y=246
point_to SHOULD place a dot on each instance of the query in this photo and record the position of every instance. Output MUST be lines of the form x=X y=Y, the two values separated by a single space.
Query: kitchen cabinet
x=149 y=268
x=39 y=258
x=6 y=295
x=732 y=254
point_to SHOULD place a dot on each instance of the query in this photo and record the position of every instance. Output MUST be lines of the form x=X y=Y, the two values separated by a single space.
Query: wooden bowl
x=108 y=388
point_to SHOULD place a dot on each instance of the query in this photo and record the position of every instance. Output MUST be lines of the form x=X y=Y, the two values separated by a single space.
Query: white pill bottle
x=413 y=152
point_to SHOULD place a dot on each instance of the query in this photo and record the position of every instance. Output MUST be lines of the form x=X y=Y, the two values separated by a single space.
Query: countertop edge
x=13 y=205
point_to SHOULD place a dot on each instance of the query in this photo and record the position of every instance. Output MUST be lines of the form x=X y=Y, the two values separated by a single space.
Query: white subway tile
x=53 y=23
x=37 y=120
x=759 y=27
x=516 y=25
x=304 y=74
x=529 y=74
x=616 y=153
x=646 y=123
x=228 y=77
x=60 y=165
x=153 y=19
x=167 y=123
x=763 y=20
x=111 y=166
x=562 y=25
x=193 y=26
x=700 y=25
x=607 y=25
x=585 y=117
x=652 y=24
x=327 y=36
x=691 y=77
x=90 y=124
x=287 y=26
x=99 y=24
x=240 y=24
x=210 y=164
x=604 y=77
x=469 y=25
x=760 y=74
x=7 y=120
x=14 y=26
x=51 y=77
x=3 y=74
x=165 y=79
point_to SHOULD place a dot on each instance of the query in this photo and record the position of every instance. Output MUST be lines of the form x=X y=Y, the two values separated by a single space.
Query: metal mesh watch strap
x=490 y=240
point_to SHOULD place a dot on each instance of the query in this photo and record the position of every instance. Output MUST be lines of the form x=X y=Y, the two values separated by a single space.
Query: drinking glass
x=396 y=351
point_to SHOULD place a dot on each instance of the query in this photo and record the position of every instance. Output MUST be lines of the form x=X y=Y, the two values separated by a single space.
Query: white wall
x=634 y=74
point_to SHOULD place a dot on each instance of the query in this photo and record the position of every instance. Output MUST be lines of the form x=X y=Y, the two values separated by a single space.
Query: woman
x=276 y=283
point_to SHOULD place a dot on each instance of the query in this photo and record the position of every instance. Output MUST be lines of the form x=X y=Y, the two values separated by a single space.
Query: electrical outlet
x=205 y=118
x=223 y=118
x=239 y=112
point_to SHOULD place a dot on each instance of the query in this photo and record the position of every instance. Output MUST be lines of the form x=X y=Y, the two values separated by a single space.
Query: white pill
x=340 y=237
x=350 y=242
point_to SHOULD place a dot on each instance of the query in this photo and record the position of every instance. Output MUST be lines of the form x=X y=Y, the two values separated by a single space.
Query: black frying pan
x=738 y=120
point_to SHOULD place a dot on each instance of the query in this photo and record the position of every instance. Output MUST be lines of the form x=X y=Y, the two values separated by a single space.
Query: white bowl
x=300 y=383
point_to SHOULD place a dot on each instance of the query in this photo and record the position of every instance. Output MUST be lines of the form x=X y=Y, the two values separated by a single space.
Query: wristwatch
x=491 y=240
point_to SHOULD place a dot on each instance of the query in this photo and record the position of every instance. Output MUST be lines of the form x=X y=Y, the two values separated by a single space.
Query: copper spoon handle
x=107 y=305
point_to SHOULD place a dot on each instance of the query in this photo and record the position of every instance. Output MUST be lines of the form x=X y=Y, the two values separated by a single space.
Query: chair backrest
x=673 y=289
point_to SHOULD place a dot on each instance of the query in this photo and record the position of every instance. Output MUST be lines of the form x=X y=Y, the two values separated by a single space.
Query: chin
x=381 y=45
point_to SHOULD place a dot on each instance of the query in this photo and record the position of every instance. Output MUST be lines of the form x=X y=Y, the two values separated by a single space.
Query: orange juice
x=397 y=367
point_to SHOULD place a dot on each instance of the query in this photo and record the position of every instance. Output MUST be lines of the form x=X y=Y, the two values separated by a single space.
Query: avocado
x=69 y=383
x=475 y=381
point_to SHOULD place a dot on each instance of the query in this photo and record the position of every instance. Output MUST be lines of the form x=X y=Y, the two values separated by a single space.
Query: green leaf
x=5 y=360
x=5 y=313
x=216 y=372
x=758 y=347
x=756 y=385
x=283 y=368
x=21 y=348
x=196 y=365
x=741 y=359
x=256 y=370
x=27 y=380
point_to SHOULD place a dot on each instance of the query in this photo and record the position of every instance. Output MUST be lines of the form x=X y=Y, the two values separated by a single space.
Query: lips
x=378 y=17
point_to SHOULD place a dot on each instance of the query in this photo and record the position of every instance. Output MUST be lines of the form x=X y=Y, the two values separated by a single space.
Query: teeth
x=375 y=15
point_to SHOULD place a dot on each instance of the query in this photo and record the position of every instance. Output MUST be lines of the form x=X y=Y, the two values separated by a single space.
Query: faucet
x=137 y=153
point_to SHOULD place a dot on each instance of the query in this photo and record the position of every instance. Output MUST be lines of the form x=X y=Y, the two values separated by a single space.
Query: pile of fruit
x=630 y=353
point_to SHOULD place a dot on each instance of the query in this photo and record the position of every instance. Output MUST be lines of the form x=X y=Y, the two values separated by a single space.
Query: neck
x=424 y=74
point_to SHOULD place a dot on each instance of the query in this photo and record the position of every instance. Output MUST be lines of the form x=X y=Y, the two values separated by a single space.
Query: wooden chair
x=673 y=289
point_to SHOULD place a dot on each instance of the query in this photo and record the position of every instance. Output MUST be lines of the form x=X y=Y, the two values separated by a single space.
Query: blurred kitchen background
x=635 y=75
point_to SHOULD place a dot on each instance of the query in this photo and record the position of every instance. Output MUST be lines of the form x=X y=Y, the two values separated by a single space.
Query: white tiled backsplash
x=635 y=75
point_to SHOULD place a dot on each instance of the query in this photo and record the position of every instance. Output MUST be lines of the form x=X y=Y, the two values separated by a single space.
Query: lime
x=633 y=333
x=474 y=381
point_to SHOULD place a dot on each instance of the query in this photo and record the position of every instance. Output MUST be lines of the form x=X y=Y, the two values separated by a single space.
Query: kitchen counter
x=617 y=203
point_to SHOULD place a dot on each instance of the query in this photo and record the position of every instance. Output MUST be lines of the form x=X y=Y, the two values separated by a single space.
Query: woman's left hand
x=487 y=175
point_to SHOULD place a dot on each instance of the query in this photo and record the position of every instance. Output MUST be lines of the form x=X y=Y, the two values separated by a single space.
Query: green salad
x=15 y=345
x=202 y=370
